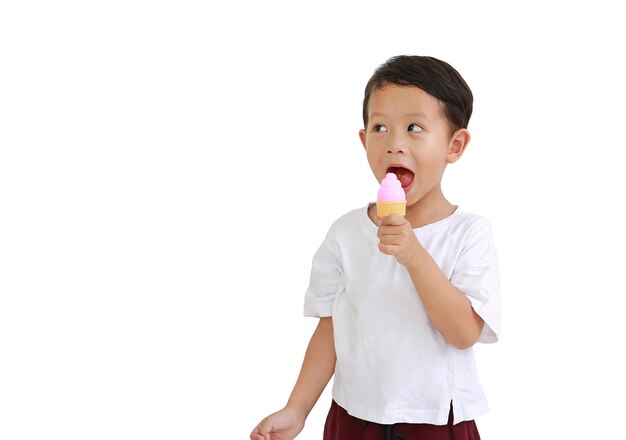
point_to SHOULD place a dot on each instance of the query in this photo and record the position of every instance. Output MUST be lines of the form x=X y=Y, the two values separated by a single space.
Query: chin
x=414 y=199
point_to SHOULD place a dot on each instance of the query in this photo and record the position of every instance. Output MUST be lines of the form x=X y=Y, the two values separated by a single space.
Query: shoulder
x=468 y=229
x=475 y=235
x=347 y=229
x=470 y=223
x=349 y=221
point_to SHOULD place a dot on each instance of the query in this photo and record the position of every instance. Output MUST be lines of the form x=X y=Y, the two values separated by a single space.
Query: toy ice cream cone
x=387 y=208
x=391 y=198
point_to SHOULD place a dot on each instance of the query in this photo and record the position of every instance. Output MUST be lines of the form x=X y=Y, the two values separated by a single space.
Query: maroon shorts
x=342 y=426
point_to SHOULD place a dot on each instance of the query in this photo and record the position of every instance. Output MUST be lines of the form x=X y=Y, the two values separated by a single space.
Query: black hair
x=435 y=77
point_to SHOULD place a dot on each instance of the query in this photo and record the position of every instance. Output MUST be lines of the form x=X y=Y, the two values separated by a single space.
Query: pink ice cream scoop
x=391 y=198
x=391 y=189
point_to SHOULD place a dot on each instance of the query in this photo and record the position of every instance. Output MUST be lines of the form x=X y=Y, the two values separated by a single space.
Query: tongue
x=404 y=176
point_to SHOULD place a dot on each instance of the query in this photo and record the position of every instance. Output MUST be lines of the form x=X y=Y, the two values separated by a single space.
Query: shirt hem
x=438 y=416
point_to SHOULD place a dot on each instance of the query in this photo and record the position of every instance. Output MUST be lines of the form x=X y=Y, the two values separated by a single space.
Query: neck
x=429 y=209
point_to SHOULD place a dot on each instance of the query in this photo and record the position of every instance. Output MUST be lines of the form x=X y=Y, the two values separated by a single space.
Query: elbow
x=466 y=336
x=464 y=340
x=463 y=343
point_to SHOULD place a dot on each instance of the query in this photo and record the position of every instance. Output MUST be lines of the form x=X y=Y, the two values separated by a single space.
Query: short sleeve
x=326 y=274
x=477 y=275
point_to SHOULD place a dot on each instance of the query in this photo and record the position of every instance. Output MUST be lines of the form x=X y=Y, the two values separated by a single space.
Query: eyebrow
x=415 y=114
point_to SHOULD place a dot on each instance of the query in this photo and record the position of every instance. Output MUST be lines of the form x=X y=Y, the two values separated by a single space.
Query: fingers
x=393 y=232
x=390 y=220
x=396 y=236
x=391 y=239
x=258 y=436
x=393 y=220
x=260 y=433
x=389 y=249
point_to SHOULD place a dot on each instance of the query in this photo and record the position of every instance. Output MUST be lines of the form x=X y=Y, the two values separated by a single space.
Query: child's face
x=407 y=134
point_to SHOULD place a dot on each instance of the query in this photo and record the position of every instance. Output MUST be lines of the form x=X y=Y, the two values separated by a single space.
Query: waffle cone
x=386 y=208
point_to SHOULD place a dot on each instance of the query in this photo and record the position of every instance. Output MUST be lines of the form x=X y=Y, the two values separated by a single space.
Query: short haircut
x=435 y=77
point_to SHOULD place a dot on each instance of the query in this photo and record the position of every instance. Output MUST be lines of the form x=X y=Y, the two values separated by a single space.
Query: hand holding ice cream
x=396 y=234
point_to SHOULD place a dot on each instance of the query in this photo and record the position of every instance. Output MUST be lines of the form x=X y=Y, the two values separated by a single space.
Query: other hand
x=285 y=424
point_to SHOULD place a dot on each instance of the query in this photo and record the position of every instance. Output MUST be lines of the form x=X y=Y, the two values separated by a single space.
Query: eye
x=380 y=128
x=415 y=128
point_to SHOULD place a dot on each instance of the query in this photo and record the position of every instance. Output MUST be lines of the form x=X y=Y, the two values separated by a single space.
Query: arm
x=317 y=369
x=447 y=307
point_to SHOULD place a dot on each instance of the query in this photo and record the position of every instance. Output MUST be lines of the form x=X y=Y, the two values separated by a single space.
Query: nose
x=396 y=150
x=396 y=145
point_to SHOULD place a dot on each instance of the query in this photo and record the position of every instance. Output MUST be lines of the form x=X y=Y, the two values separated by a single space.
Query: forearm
x=317 y=369
x=447 y=307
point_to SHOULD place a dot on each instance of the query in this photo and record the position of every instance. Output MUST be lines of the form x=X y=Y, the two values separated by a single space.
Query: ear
x=362 y=137
x=458 y=144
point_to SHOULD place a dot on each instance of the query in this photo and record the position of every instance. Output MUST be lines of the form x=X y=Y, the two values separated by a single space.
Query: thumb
x=256 y=435
x=265 y=430
x=261 y=432
x=394 y=220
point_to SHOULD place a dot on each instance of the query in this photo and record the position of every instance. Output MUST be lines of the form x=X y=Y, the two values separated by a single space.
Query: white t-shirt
x=393 y=365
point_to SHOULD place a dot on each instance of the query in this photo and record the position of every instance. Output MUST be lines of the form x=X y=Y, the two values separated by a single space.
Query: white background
x=168 y=169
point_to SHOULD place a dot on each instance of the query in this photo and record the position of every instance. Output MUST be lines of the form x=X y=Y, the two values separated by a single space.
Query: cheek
x=373 y=156
x=430 y=166
x=373 y=163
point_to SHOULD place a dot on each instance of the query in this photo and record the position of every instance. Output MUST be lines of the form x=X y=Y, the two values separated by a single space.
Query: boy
x=401 y=300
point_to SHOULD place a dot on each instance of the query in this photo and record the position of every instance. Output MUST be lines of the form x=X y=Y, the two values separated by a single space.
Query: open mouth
x=404 y=175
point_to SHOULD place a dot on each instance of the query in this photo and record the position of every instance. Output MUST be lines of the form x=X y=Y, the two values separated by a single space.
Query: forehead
x=394 y=100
